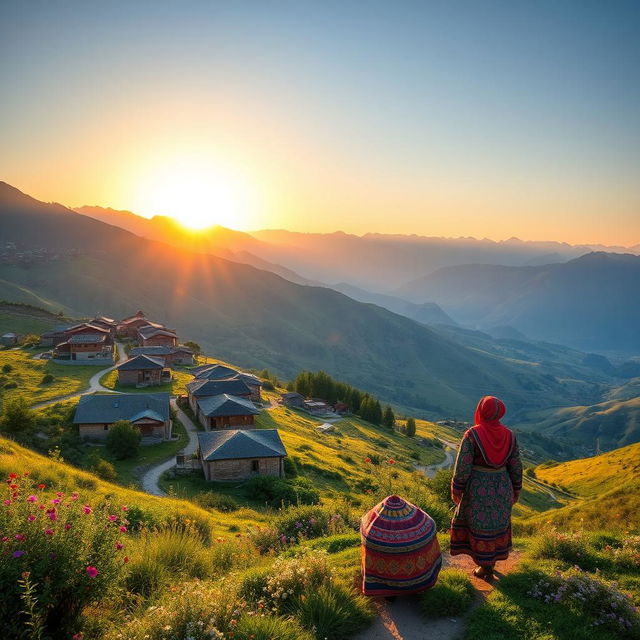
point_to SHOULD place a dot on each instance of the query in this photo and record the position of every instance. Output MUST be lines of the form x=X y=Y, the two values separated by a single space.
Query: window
x=255 y=466
x=106 y=427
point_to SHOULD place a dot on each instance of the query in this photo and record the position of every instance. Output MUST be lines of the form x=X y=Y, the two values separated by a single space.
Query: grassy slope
x=28 y=374
x=14 y=458
x=175 y=387
x=609 y=486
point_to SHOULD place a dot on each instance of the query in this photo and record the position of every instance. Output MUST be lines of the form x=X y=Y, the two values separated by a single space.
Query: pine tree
x=388 y=418
x=411 y=427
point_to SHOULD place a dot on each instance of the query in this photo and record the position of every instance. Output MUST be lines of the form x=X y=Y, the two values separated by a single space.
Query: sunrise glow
x=195 y=191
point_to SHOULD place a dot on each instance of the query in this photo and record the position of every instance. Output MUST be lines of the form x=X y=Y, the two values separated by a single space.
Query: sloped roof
x=158 y=350
x=216 y=372
x=111 y=407
x=86 y=325
x=140 y=362
x=241 y=443
x=226 y=405
x=87 y=338
x=147 y=413
x=105 y=320
x=249 y=378
x=149 y=331
x=204 y=387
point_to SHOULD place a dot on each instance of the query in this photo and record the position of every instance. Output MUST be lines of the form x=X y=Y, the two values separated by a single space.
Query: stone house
x=153 y=335
x=199 y=389
x=143 y=370
x=9 y=339
x=241 y=454
x=171 y=356
x=292 y=399
x=226 y=412
x=148 y=411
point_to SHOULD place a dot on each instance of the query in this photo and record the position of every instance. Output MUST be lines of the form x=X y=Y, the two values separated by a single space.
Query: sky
x=486 y=119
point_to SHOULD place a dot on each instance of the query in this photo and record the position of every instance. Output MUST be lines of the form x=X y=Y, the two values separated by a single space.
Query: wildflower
x=17 y=554
x=42 y=486
x=53 y=556
x=367 y=460
x=48 y=532
x=74 y=496
x=31 y=517
x=55 y=501
x=124 y=508
x=25 y=474
x=13 y=475
x=32 y=499
x=113 y=518
x=119 y=546
x=391 y=461
x=67 y=526
x=123 y=529
x=87 y=509
x=77 y=636
x=52 y=515
x=20 y=536
x=92 y=572
x=126 y=559
x=7 y=502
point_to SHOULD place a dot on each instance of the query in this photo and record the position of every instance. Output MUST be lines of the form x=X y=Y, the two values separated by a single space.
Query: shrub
x=219 y=501
x=123 y=440
x=72 y=552
x=411 y=427
x=441 y=484
x=11 y=385
x=336 y=543
x=279 y=492
x=569 y=548
x=451 y=596
x=7 y=368
x=17 y=417
x=333 y=611
x=592 y=596
x=47 y=378
x=290 y=467
x=105 y=470
x=146 y=577
x=303 y=522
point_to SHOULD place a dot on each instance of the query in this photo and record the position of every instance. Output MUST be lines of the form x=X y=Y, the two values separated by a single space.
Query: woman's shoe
x=485 y=573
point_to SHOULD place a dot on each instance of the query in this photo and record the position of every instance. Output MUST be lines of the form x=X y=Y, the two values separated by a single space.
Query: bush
x=333 y=611
x=105 y=470
x=123 y=440
x=411 y=427
x=146 y=577
x=7 y=368
x=569 y=548
x=279 y=492
x=303 y=522
x=17 y=417
x=218 y=501
x=47 y=378
x=451 y=596
x=11 y=385
x=73 y=554
x=441 y=484
x=336 y=543
x=290 y=467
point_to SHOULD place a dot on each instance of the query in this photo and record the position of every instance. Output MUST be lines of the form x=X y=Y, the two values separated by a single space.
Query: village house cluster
x=223 y=400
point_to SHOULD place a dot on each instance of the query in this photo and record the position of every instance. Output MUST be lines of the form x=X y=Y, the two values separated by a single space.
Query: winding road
x=151 y=477
x=94 y=382
x=449 y=459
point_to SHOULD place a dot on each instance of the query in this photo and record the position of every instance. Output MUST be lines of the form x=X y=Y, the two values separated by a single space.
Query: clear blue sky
x=440 y=118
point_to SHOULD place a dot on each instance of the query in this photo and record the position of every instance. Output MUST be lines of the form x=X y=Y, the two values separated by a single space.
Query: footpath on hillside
x=402 y=619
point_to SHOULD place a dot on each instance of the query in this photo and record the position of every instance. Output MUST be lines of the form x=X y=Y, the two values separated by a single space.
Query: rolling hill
x=591 y=302
x=253 y=317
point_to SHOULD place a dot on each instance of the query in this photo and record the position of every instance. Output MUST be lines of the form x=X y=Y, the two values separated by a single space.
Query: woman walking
x=487 y=480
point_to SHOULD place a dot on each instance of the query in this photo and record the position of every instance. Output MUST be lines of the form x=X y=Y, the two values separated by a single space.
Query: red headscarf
x=495 y=439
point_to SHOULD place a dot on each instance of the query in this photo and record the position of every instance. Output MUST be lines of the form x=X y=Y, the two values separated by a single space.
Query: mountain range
x=259 y=319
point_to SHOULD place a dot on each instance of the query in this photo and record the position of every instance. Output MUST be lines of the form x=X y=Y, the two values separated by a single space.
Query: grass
x=451 y=596
x=28 y=373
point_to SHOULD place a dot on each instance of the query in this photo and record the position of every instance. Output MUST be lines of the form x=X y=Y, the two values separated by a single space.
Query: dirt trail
x=402 y=620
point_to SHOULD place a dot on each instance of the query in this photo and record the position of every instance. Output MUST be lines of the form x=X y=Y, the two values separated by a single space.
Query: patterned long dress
x=481 y=525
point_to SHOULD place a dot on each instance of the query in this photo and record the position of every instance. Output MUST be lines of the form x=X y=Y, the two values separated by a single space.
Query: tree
x=388 y=418
x=17 y=417
x=123 y=440
x=195 y=347
x=411 y=427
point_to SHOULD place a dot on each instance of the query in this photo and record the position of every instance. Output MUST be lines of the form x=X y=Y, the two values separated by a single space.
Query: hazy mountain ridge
x=591 y=302
x=258 y=319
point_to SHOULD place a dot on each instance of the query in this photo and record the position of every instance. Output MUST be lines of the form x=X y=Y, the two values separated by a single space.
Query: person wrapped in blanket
x=400 y=550
x=486 y=483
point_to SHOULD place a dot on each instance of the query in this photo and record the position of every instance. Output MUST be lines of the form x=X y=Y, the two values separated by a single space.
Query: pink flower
x=19 y=536
x=48 y=532
x=55 y=501
x=52 y=515
x=74 y=496
x=67 y=526
x=59 y=494
x=32 y=499
x=124 y=508
x=7 y=502
x=123 y=529
x=77 y=636
x=31 y=517
x=92 y=572
x=113 y=518
x=87 y=509
x=119 y=546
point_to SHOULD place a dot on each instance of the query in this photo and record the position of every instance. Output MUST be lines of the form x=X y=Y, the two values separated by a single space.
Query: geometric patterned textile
x=400 y=550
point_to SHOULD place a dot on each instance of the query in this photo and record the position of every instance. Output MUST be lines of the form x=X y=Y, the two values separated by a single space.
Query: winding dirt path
x=94 y=382
x=402 y=620
x=450 y=457
x=150 y=480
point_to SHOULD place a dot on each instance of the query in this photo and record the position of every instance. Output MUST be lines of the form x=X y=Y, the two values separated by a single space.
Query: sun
x=196 y=192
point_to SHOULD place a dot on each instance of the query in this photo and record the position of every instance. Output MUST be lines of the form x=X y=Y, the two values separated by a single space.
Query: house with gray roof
x=149 y=412
x=169 y=355
x=239 y=454
x=202 y=388
x=154 y=334
x=225 y=412
x=143 y=371
x=222 y=372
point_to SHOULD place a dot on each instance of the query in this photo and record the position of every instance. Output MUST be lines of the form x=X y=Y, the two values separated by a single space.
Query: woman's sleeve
x=514 y=468
x=462 y=469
